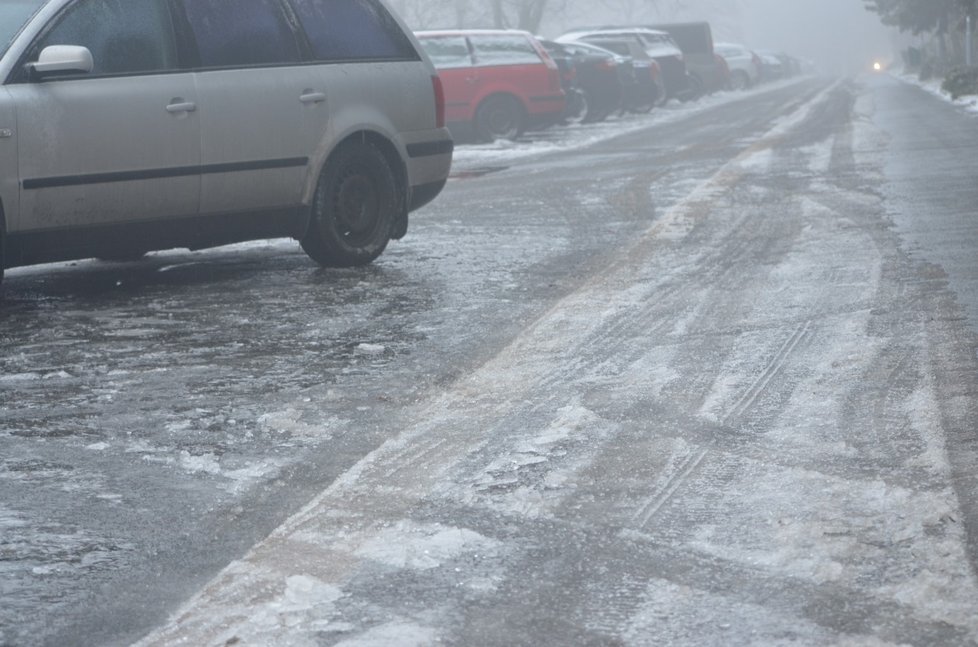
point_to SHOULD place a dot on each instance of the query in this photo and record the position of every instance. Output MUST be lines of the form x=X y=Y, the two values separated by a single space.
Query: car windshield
x=14 y=14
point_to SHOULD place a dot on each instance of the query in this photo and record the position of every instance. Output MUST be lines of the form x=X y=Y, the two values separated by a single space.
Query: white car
x=745 y=66
x=135 y=125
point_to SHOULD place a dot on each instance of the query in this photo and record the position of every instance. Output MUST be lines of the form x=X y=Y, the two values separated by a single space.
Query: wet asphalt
x=159 y=418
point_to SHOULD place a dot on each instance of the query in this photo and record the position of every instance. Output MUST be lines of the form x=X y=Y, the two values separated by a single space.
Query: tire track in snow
x=376 y=492
x=801 y=336
x=676 y=480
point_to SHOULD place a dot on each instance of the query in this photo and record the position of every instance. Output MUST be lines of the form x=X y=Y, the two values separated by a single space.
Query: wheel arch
x=524 y=110
x=391 y=154
x=503 y=93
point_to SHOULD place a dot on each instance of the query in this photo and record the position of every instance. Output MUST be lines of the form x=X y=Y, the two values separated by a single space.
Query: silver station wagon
x=135 y=125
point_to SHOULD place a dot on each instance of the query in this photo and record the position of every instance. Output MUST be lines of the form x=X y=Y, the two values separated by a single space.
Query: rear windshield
x=504 y=50
x=14 y=14
x=618 y=47
x=447 y=51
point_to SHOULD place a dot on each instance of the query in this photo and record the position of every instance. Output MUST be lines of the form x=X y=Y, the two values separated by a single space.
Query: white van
x=135 y=125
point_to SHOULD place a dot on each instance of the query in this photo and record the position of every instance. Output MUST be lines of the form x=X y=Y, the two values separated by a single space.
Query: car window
x=618 y=47
x=447 y=52
x=124 y=36
x=234 y=33
x=352 y=29
x=503 y=50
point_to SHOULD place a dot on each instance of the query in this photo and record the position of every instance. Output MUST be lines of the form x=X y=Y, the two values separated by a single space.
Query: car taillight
x=439 y=101
x=655 y=70
x=608 y=64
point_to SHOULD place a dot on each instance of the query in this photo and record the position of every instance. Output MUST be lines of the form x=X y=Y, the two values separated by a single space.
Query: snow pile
x=969 y=102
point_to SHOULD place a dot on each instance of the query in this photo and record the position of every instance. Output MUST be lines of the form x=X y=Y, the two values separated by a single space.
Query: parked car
x=772 y=65
x=643 y=85
x=596 y=74
x=745 y=66
x=128 y=126
x=657 y=45
x=497 y=83
x=575 y=104
x=695 y=39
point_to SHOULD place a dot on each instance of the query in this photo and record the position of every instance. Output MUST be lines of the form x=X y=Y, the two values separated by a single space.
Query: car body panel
x=105 y=150
x=9 y=170
x=265 y=162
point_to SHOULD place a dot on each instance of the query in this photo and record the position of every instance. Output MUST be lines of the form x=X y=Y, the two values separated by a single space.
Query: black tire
x=595 y=110
x=643 y=104
x=739 y=80
x=662 y=93
x=353 y=209
x=695 y=89
x=576 y=110
x=499 y=117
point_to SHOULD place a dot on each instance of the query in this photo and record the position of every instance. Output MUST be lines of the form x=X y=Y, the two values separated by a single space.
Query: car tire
x=499 y=117
x=662 y=96
x=695 y=91
x=740 y=80
x=353 y=209
x=576 y=111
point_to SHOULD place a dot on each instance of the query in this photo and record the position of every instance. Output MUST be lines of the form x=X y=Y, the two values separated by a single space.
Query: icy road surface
x=712 y=381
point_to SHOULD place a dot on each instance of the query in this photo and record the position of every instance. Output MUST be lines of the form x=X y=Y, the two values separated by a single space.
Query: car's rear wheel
x=576 y=109
x=597 y=110
x=499 y=117
x=353 y=209
x=740 y=80
x=662 y=93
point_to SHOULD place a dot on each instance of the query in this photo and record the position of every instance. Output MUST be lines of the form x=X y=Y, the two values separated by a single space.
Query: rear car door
x=120 y=144
x=263 y=111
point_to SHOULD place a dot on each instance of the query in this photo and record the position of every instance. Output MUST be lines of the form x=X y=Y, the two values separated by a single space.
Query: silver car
x=135 y=125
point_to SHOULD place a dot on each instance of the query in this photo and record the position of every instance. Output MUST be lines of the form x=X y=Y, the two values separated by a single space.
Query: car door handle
x=308 y=96
x=181 y=106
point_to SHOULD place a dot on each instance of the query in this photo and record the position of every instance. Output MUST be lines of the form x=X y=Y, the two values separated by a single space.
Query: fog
x=839 y=36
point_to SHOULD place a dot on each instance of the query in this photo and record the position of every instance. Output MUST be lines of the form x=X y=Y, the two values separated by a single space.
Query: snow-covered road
x=680 y=384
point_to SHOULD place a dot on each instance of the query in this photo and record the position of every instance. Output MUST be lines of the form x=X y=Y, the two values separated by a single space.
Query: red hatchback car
x=497 y=83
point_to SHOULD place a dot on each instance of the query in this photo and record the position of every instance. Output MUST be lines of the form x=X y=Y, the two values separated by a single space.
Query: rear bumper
x=428 y=156
x=425 y=193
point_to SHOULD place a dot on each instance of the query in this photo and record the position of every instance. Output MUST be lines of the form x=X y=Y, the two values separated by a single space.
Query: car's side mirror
x=61 y=59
